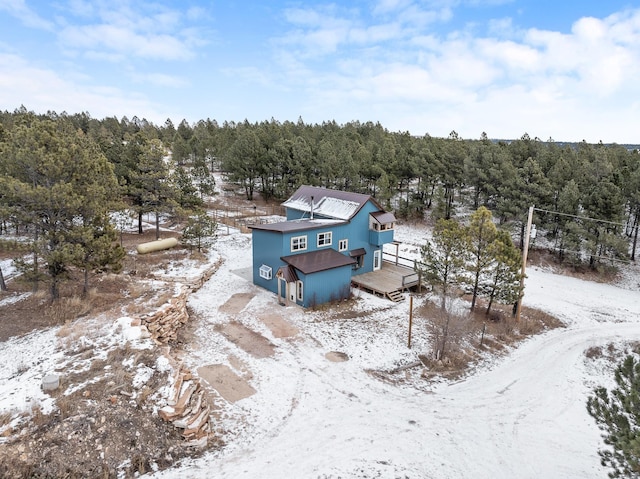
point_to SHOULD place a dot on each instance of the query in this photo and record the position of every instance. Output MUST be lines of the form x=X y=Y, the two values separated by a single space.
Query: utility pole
x=410 y=318
x=525 y=251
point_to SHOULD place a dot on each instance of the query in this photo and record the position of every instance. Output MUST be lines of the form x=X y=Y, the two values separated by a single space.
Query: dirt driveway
x=224 y=379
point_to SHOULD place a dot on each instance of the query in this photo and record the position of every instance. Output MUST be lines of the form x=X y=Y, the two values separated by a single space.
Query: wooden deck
x=390 y=281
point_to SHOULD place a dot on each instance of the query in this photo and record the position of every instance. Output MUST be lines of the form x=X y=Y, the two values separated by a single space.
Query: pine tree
x=443 y=261
x=503 y=273
x=150 y=185
x=200 y=231
x=481 y=233
x=58 y=182
x=617 y=413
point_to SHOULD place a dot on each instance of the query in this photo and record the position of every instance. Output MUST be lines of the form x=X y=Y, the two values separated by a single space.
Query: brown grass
x=5 y=418
x=466 y=342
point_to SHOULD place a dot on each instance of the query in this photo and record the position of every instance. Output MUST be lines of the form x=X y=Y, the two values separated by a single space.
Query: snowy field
x=520 y=416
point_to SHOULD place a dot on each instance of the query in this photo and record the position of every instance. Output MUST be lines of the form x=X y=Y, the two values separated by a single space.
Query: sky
x=566 y=70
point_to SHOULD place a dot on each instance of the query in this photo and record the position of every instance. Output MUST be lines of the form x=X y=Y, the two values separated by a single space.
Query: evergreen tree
x=60 y=185
x=617 y=413
x=503 y=273
x=150 y=185
x=481 y=233
x=443 y=259
x=200 y=231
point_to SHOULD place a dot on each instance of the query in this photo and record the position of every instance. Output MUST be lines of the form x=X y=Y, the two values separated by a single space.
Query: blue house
x=328 y=237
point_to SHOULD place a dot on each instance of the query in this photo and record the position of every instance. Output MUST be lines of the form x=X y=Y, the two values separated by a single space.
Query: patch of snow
x=24 y=362
x=142 y=376
x=14 y=299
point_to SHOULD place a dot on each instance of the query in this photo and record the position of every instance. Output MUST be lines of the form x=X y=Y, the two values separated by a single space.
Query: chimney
x=311 y=207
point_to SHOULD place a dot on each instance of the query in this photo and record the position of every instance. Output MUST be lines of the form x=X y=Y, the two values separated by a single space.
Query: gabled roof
x=287 y=273
x=383 y=217
x=341 y=205
x=297 y=225
x=315 y=261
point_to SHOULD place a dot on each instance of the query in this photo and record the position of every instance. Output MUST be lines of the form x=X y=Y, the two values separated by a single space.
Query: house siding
x=264 y=244
x=359 y=237
x=325 y=286
x=270 y=245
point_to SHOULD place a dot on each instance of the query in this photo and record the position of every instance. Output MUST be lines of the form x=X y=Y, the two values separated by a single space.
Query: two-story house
x=328 y=237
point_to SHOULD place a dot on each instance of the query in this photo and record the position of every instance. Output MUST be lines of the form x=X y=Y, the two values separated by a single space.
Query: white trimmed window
x=266 y=272
x=298 y=243
x=324 y=239
x=300 y=289
x=343 y=245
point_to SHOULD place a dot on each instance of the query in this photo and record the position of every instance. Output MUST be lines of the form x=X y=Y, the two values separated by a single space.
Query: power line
x=580 y=217
x=580 y=253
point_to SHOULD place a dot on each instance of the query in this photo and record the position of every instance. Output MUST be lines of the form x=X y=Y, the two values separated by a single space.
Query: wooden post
x=525 y=251
x=410 y=319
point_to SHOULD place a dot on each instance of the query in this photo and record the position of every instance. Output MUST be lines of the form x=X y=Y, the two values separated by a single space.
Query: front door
x=376 y=259
x=292 y=292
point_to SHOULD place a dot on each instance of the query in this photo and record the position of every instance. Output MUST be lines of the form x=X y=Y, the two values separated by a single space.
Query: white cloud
x=160 y=79
x=114 y=38
x=43 y=90
x=539 y=81
x=20 y=10
x=132 y=29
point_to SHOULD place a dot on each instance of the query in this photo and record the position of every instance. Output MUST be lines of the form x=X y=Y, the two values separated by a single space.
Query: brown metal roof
x=357 y=252
x=383 y=217
x=288 y=273
x=315 y=261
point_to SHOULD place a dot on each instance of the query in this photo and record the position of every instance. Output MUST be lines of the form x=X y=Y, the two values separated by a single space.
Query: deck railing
x=410 y=279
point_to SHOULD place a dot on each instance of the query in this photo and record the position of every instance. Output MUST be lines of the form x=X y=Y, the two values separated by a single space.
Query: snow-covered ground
x=520 y=416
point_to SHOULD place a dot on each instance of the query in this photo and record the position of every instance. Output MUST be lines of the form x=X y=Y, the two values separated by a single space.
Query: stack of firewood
x=187 y=408
x=163 y=324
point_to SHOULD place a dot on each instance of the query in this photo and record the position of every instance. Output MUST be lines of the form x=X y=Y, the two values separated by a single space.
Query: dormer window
x=381 y=221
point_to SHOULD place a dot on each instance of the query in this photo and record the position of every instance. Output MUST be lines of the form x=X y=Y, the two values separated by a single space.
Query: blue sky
x=567 y=70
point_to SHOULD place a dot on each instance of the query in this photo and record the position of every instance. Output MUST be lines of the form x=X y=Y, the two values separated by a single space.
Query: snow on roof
x=332 y=203
x=296 y=225
x=332 y=207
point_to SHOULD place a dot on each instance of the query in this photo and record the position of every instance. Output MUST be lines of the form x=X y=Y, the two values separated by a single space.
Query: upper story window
x=343 y=245
x=378 y=223
x=383 y=226
x=324 y=239
x=298 y=243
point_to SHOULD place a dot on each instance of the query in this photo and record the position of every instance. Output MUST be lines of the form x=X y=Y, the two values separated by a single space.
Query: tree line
x=63 y=181
x=439 y=176
x=414 y=176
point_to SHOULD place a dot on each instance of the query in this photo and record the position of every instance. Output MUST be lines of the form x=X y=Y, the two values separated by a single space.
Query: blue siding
x=338 y=232
x=266 y=250
x=324 y=286
x=379 y=238
x=359 y=237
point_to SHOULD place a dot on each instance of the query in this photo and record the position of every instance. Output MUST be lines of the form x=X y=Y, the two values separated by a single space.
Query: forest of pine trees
x=124 y=167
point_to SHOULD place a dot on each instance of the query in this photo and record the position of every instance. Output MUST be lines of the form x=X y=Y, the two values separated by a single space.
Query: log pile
x=187 y=408
x=164 y=323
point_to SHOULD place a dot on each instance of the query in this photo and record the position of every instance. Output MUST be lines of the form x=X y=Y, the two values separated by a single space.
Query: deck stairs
x=395 y=296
